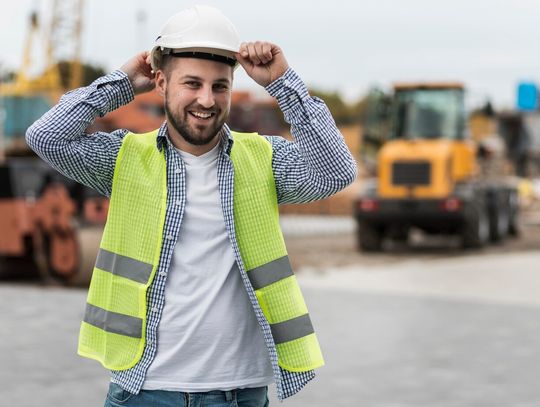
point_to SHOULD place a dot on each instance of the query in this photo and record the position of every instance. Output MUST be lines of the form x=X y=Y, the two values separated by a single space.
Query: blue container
x=21 y=112
x=527 y=96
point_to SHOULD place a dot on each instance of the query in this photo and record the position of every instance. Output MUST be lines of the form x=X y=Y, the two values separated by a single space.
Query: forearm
x=319 y=163
x=59 y=135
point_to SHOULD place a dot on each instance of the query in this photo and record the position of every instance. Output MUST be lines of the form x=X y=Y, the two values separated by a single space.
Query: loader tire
x=475 y=231
x=499 y=220
x=514 y=228
x=369 y=237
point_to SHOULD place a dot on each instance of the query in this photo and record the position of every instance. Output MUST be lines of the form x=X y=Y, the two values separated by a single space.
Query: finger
x=243 y=50
x=244 y=61
x=146 y=68
x=267 y=51
x=253 y=54
x=258 y=46
x=262 y=49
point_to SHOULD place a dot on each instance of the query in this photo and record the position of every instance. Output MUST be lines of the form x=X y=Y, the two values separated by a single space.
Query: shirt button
x=286 y=82
x=178 y=203
x=155 y=309
x=314 y=121
x=162 y=273
x=178 y=170
x=170 y=237
x=292 y=98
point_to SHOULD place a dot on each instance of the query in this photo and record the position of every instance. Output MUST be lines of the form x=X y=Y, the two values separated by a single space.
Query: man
x=192 y=300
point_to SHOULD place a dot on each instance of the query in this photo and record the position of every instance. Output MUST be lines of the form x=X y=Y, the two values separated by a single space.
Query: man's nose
x=206 y=97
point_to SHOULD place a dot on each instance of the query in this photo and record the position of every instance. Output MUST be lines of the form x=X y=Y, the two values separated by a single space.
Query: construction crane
x=44 y=216
x=62 y=43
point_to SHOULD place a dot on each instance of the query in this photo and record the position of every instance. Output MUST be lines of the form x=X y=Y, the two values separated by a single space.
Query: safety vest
x=114 y=326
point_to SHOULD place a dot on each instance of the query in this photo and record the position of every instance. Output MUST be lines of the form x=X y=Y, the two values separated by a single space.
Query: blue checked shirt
x=317 y=165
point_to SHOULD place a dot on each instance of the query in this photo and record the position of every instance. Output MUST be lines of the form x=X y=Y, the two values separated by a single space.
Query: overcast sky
x=348 y=46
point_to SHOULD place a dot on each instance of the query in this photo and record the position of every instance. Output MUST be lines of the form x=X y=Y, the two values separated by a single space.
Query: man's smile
x=201 y=115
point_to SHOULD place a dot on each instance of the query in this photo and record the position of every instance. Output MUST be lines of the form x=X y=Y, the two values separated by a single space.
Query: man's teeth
x=201 y=115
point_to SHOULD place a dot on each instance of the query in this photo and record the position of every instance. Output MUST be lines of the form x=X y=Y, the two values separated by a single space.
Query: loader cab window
x=428 y=114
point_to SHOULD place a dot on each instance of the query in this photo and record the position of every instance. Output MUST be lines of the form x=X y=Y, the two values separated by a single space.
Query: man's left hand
x=264 y=62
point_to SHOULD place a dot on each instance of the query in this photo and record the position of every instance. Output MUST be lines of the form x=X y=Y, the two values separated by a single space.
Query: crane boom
x=62 y=43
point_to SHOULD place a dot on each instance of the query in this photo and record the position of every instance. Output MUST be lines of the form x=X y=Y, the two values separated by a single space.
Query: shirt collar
x=225 y=135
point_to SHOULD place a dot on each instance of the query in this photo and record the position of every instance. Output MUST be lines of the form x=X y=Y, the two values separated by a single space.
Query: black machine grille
x=411 y=173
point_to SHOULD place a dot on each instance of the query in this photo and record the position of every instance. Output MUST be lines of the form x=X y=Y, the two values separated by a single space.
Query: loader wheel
x=475 y=231
x=369 y=237
x=499 y=221
x=513 y=227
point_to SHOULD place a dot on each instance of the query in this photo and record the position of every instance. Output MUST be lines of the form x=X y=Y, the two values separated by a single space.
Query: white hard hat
x=199 y=29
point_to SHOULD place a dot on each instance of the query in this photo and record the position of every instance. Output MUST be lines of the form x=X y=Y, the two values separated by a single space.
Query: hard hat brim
x=158 y=52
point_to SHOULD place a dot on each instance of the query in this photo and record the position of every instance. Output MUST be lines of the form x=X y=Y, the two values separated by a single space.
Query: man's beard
x=188 y=133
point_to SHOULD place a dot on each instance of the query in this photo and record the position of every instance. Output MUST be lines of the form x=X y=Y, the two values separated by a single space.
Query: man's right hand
x=140 y=73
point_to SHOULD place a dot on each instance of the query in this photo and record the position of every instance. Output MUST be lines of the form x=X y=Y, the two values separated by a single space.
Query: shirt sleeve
x=317 y=163
x=59 y=136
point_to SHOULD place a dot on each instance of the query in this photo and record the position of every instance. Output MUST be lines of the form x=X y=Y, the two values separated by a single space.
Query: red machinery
x=48 y=224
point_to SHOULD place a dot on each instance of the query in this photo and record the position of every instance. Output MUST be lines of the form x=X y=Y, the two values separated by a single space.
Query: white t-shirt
x=208 y=336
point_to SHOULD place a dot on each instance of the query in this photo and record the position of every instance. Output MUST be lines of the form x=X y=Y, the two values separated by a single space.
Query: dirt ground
x=317 y=243
x=319 y=251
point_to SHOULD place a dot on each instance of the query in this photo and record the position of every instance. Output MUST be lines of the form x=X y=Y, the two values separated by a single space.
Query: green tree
x=344 y=113
x=90 y=73
x=337 y=106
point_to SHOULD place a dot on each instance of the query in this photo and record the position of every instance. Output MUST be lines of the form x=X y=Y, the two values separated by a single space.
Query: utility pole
x=140 y=20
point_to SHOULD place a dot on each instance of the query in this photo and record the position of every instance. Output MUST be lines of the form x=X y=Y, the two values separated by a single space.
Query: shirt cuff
x=117 y=89
x=289 y=90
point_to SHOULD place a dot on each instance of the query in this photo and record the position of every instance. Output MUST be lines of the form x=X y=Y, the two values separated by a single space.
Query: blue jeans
x=254 y=397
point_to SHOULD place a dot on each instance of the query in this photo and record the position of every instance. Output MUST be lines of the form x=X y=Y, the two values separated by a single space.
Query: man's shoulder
x=142 y=138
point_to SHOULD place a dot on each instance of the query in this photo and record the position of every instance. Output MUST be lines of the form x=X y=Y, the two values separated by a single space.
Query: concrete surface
x=453 y=332
x=307 y=225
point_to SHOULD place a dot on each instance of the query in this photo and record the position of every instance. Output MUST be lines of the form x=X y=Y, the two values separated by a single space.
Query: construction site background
x=45 y=216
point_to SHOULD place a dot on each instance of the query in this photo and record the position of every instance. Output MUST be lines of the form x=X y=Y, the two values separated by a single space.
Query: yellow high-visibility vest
x=114 y=326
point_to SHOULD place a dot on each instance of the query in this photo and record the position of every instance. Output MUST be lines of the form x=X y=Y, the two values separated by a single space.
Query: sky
x=345 y=46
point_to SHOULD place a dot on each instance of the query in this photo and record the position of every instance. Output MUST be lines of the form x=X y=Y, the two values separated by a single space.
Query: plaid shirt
x=316 y=166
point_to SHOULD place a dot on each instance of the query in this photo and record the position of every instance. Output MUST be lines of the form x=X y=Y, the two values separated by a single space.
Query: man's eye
x=221 y=86
x=193 y=84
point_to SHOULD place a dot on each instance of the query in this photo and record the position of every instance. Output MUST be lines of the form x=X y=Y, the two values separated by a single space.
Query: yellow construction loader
x=428 y=176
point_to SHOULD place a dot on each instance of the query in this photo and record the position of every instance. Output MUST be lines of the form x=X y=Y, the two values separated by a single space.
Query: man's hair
x=166 y=65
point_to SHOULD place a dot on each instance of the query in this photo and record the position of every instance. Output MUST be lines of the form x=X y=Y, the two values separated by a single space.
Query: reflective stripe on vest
x=292 y=329
x=270 y=273
x=123 y=266
x=114 y=326
x=113 y=322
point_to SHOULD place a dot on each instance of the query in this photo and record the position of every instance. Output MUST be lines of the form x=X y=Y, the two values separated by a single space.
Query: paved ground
x=394 y=351
x=427 y=331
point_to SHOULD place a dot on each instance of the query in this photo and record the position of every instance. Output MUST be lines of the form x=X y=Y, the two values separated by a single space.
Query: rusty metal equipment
x=43 y=216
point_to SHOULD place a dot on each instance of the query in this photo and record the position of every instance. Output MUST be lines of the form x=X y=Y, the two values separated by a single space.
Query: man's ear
x=161 y=82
